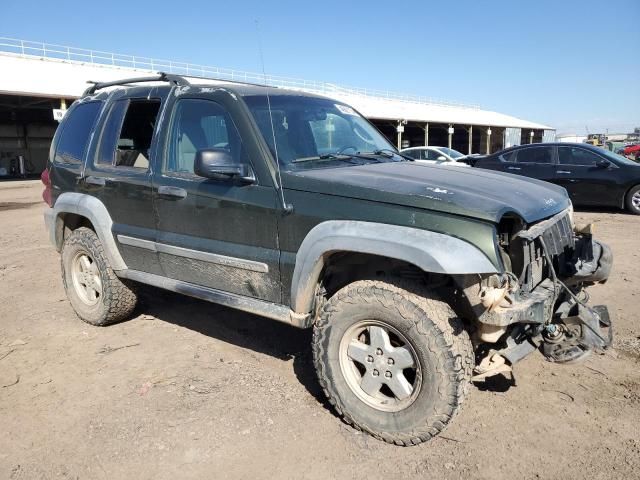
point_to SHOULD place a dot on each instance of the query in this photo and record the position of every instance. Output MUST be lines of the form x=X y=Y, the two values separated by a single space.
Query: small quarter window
x=76 y=131
x=508 y=157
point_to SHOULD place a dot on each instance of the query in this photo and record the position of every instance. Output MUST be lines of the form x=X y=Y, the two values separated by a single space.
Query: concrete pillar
x=63 y=104
x=400 y=130
x=531 y=137
x=488 y=140
x=426 y=135
x=470 y=138
x=450 y=135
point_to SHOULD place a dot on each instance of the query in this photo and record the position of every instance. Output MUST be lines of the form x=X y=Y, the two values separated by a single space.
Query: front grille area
x=556 y=232
x=559 y=240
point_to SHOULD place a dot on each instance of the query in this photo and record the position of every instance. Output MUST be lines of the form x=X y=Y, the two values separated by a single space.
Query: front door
x=587 y=182
x=214 y=233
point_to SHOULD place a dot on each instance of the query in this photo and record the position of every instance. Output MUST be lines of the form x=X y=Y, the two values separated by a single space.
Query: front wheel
x=393 y=360
x=96 y=294
x=633 y=200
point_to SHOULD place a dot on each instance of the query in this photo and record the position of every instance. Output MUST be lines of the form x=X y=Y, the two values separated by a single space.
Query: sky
x=574 y=65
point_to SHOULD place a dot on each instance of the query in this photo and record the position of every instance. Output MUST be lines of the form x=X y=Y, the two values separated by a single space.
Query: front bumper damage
x=554 y=316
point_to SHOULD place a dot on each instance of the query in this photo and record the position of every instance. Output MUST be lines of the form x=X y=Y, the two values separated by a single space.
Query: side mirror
x=218 y=164
x=603 y=164
x=442 y=159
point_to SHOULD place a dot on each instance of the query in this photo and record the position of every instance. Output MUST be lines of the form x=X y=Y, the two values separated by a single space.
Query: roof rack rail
x=161 y=77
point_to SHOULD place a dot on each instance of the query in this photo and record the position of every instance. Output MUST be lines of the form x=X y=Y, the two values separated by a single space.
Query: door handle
x=168 y=191
x=514 y=168
x=99 y=181
x=564 y=171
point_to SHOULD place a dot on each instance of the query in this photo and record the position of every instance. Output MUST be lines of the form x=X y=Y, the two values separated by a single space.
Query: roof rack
x=161 y=77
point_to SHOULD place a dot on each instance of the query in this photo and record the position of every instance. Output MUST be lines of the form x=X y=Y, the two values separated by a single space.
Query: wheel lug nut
x=378 y=351
x=390 y=361
x=387 y=374
x=375 y=373
x=369 y=359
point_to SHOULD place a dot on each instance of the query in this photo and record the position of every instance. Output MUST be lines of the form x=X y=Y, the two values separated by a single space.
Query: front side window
x=577 y=156
x=535 y=155
x=76 y=131
x=307 y=128
x=197 y=125
x=127 y=133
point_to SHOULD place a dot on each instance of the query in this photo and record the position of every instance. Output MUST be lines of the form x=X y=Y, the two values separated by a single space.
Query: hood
x=471 y=192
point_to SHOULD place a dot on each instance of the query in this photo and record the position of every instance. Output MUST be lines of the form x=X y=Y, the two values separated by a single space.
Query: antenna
x=288 y=208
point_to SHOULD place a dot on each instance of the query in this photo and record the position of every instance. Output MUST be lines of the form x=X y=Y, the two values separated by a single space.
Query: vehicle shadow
x=238 y=328
x=256 y=333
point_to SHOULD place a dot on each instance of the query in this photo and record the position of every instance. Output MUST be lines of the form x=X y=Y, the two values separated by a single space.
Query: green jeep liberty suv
x=415 y=278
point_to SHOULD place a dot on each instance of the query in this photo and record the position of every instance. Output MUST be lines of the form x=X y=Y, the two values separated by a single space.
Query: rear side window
x=76 y=131
x=535 y=155
x=127 y=134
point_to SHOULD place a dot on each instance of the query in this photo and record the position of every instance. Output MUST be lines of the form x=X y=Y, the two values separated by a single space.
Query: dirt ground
x=189 y=389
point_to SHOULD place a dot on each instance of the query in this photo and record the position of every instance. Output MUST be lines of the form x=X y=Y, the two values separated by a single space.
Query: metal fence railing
x=27 y=48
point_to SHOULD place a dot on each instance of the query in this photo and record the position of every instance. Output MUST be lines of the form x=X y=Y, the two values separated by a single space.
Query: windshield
x=451 y=152
x=312 y=130
x=616 y=158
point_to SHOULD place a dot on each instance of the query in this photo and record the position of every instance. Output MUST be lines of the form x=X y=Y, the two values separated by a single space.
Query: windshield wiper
x=336 y=156
x=387 y=152
x=325 y=156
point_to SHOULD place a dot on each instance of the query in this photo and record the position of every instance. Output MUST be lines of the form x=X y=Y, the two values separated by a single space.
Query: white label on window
x=346 y=110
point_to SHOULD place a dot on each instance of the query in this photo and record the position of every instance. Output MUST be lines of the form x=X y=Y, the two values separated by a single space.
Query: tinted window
x=200 y=124
x=535 y=155
x=412 y=153
x=110 y=132
x=126 y=137
x=76 y=131
x=508 y=157
x=576 y=156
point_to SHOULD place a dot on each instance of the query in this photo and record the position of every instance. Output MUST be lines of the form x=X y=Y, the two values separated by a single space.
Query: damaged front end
x=540 y=302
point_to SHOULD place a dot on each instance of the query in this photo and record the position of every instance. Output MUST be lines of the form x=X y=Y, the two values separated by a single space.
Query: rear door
x=536 y=161
x=215 y=233
x=586 y=182
x=119 y=173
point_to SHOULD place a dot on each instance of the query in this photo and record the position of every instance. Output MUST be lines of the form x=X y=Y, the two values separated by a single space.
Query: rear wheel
x=394 y=360
x=96 y=294
x=633 y=200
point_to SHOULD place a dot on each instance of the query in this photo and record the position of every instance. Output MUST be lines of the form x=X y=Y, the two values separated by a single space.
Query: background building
x=38 y=78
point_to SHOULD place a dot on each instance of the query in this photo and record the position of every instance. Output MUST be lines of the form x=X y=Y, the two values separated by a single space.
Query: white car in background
x=439 y=155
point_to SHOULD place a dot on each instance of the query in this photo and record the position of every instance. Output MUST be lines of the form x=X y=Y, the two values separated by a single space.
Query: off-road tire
x=629 y=200
x=117 y=300
x=440 y=342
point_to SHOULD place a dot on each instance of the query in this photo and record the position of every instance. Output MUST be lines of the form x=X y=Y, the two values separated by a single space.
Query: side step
x=270 y=310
